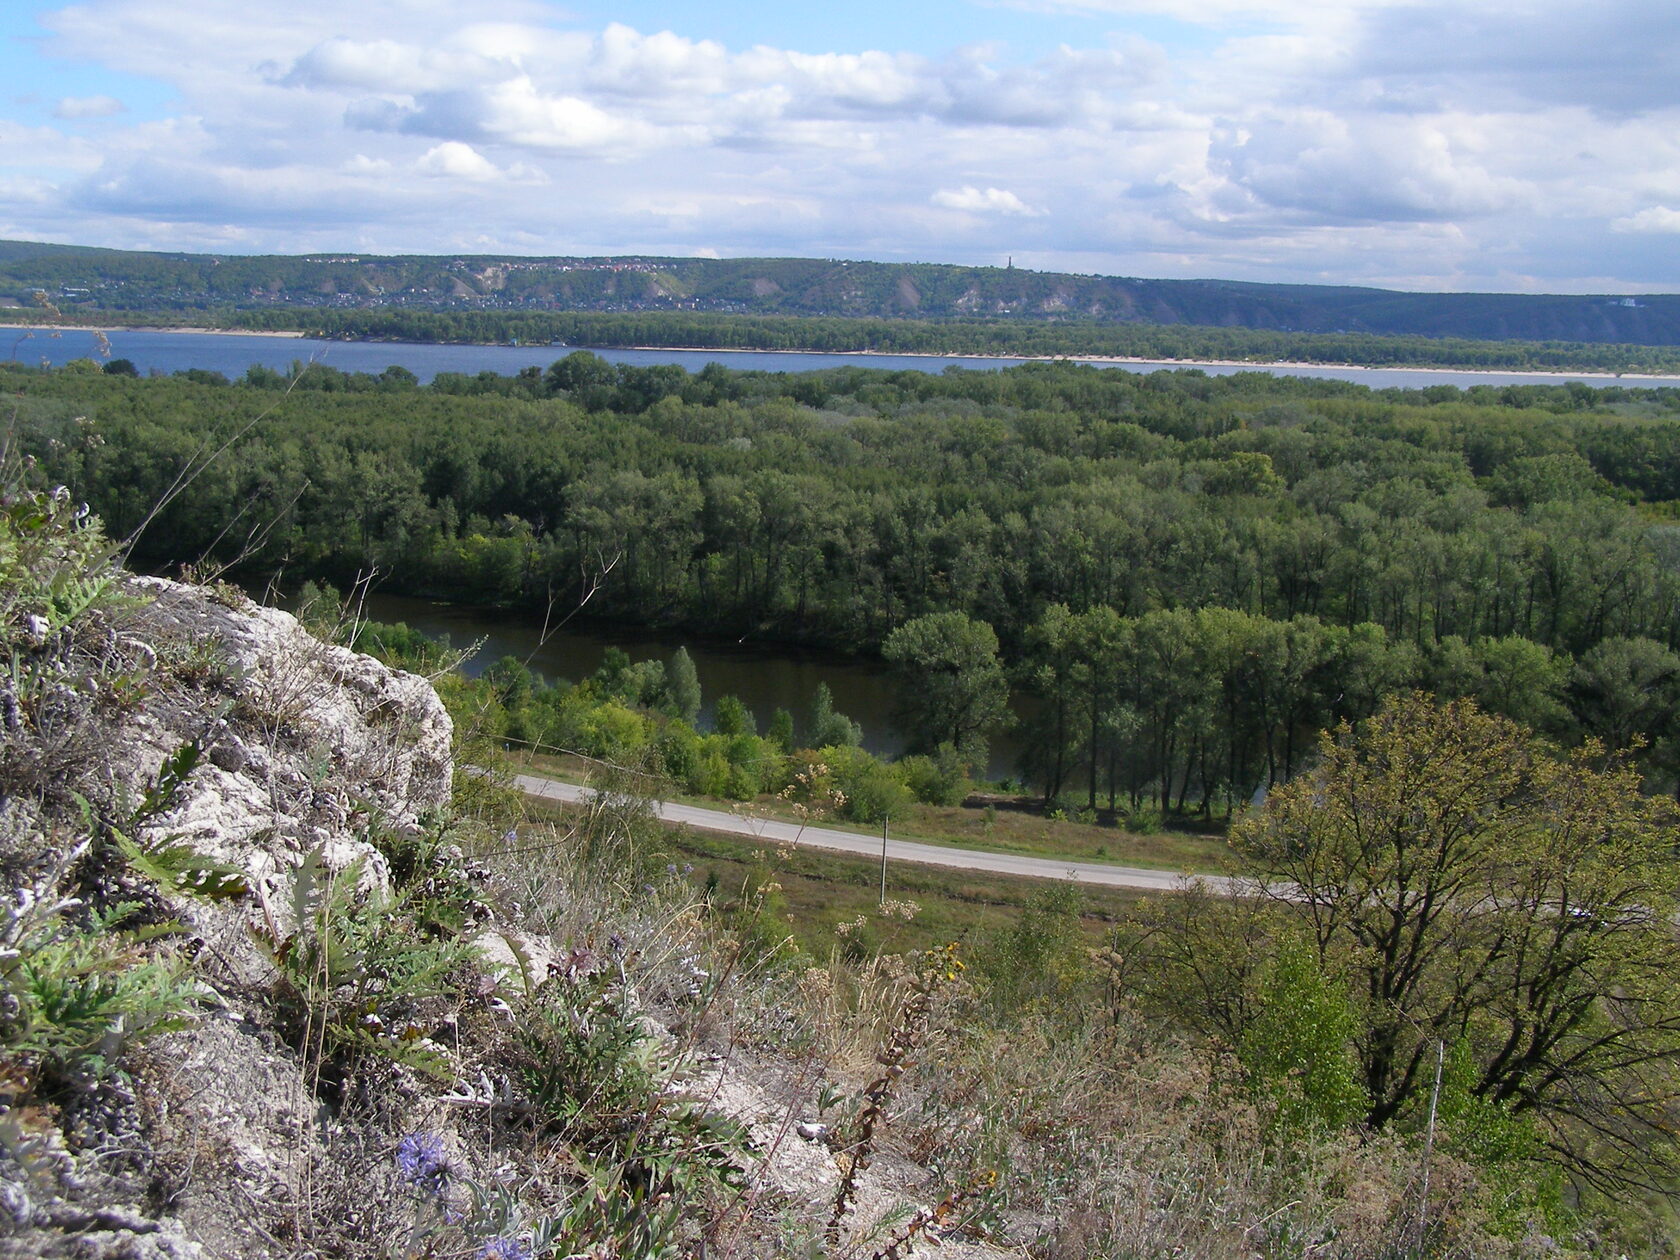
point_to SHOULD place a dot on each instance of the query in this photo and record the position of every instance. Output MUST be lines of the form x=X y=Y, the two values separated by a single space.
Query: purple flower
x=422 y=1162
x=505 y=1249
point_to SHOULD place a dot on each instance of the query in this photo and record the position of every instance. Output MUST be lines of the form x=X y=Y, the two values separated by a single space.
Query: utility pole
x=884 y=821
x=1429 y=1141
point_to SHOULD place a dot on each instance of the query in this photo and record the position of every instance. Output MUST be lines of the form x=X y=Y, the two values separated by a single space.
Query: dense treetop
x=1197 y=573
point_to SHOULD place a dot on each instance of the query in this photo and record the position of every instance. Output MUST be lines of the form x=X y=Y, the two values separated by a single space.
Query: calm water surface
x=231 y=354
x=764 y=678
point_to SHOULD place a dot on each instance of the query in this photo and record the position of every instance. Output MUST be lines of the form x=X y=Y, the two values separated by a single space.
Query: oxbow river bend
x=765 y=678
x=232 y=353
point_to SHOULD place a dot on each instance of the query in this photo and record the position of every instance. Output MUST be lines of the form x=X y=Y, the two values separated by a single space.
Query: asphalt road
x=778 y=832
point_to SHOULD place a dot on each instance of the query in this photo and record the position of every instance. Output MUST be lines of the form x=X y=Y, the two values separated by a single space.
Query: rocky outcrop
x=304 y=749
x=307 y=742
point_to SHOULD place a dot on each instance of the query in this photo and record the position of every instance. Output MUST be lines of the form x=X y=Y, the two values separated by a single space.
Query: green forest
x=1191 y=575
x=1458 y=959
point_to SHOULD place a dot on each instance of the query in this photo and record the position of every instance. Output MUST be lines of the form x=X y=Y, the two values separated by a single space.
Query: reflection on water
x=764 y=678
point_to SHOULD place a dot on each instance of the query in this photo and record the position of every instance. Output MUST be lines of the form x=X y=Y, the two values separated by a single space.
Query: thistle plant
x=934 y=968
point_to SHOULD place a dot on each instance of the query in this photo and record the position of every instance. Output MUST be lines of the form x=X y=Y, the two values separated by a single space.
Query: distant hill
x=82 y=279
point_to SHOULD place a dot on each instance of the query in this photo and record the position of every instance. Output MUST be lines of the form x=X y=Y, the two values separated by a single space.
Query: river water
x=763 y=678
x=232 y=353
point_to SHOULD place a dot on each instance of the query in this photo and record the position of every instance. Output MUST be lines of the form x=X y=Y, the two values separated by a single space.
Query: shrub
x=871 y=790
x=597 y=1081
x=938 y=780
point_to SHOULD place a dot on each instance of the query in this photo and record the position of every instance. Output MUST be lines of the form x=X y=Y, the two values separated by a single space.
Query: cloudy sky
x=1513 y=145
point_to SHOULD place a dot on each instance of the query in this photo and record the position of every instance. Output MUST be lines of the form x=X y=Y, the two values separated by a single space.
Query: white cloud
x=1654 y=220
x=454 y=160
x=77 y=107
x=363 y=165
x=986 y=201
x=1294 y=13
x=383 y=65
x=1330 y=167
x=519 y=114
x=1439 y=143
x=624 y=60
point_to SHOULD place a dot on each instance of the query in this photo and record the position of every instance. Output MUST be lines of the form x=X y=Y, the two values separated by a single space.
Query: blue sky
x=1515 y=145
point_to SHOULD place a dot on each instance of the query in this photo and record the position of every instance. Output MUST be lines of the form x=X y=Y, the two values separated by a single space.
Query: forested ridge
x=1195 y=574
x=766 y=303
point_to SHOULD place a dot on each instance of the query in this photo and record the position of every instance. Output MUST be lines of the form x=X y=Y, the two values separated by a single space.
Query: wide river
x=232 y=353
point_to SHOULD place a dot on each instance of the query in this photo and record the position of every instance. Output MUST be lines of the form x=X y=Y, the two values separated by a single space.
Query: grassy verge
x=1006 y=827
x=821 y=896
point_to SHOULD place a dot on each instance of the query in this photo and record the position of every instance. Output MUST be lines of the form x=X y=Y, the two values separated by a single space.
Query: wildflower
x=422 y=1162
x=505 y=1249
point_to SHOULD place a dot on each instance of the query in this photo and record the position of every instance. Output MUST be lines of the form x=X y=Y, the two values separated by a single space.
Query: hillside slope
x=269 y=988
x=87 y=280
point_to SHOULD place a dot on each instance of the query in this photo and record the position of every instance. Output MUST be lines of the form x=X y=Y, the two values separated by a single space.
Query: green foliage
x=731 y=717
x=55 y=563
x=1193 y=574
x=175 y=867
x=938 y=780
x=74 y=998
x=830 y=729
x=1298 y=1048
x=682 y=686
x=596 y=1081
x=401 y=646
x=870 y=790
x=1520 y=1181
x=357 y=965
x=1467 y=883
x=1041 y=959
x=781 y=730
x=954 y=687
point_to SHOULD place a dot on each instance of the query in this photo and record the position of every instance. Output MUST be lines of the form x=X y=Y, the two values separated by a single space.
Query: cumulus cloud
x=454 y=160
x=383 y=65
x=515 y=113
x=76 y=107
x=982 y=201
x=1654 y=220
x=669 y=78
x=1442 y=143
x=1378 y=168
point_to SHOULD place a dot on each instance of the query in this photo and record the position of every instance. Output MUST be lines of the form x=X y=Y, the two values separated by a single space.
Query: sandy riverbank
x=1117 y=360
x=1539 y=375
x=108 y=329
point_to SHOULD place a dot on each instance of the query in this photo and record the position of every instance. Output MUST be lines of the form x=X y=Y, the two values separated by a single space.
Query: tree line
x=1193 y=573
